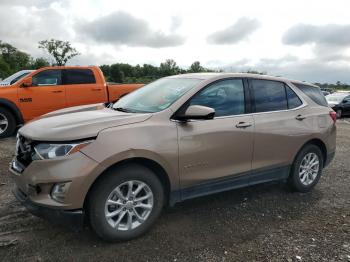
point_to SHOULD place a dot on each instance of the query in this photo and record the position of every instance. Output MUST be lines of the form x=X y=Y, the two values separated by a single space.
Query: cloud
x=289 y=66
x=121 y=28
x=33 y=25
x=176 y=22
x=331 y=34
x=234 y=33
x=39 y=3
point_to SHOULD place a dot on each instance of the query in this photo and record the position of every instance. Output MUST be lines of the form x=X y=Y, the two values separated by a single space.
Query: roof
x=208 y=76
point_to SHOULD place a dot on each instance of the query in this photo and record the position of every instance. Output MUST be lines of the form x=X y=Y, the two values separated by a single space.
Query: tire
x=7 y=123
x=98 y=209
x=305 y=181
x=339 y=113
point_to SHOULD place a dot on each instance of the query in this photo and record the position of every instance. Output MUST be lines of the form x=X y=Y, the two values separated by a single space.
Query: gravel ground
x=258 y=223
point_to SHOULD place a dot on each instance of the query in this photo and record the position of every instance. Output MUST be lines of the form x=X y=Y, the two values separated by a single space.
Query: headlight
x=50 y=151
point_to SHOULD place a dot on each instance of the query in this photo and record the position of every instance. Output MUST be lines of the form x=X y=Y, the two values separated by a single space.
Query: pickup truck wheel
x=125 y=203
x=306 y=169
x=7 y=123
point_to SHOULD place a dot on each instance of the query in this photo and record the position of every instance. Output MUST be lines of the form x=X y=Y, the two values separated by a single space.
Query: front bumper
x=73 y=219
x=38 y=178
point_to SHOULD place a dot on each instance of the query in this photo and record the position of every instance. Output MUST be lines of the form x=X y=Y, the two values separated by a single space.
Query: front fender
x=14 y=109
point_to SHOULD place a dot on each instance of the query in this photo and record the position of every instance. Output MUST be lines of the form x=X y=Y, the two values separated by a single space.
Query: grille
x=24 y=150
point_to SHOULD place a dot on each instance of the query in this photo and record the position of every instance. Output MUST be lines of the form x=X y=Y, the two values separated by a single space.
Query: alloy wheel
x=129 y=205
x=4 y=123
x=309 y=168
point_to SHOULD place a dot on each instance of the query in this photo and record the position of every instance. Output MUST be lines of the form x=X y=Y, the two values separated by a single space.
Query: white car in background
x=15 y=77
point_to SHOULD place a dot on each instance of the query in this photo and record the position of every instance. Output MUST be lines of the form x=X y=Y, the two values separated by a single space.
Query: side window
x=78 y=76
x=314 y=93
x=226 y=97
x=293 y=100
x=47 y=78
x=269 y=95
x=346 y=100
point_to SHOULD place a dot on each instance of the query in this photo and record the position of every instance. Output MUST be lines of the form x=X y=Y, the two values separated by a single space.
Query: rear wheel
x=306 y=169
x=7 y=123
x=125 y=203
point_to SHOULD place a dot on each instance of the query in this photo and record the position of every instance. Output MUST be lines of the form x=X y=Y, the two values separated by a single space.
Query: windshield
x=19 y=77
x=13 y=78
x=155 y=96
x=335 y=98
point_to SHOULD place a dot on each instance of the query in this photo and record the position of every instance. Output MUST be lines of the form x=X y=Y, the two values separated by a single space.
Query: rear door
x=221 y=147
x=281 y=125
x=82 y=87
x=46 y=94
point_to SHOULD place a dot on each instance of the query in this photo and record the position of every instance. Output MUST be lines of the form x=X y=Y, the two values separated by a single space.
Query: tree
x=39 y=63
x=168 y=68
x=196 y=67
x=4 y=69
x=15 y=59
x=106 y=70
x=251 y=71
x=61 y=51
x=116 y=73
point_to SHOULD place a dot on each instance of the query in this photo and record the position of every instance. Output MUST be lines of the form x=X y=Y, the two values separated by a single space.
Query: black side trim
x=230 y=182
x=74 y=219
x=12 y=106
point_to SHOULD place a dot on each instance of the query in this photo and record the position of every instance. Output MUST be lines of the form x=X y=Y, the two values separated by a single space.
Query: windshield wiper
x=122 y=109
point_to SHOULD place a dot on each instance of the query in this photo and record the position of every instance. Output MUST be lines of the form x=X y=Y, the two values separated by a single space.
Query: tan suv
x=177 y=138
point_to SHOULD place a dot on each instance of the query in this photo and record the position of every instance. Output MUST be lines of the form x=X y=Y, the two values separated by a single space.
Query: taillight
x=333 y=115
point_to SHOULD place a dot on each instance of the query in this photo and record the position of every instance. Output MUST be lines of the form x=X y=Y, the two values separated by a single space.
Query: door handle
x=96 y=89
x=243 y=125
x=57 y=91
x=300 y=117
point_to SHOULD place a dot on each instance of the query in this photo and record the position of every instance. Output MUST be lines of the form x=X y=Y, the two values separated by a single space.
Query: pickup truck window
x=156 y=96
x=78 y=76
x=47 y=78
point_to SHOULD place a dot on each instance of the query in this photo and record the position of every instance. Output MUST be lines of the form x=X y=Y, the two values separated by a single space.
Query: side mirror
x=27 y=82
x=197 y=112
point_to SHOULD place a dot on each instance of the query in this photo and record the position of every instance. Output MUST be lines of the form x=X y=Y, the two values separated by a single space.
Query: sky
x=305 y=40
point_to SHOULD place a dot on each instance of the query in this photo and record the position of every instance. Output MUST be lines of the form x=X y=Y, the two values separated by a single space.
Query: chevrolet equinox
x=115 y=167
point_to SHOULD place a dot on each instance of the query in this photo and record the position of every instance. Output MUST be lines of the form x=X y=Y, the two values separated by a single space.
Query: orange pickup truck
x=52 y=88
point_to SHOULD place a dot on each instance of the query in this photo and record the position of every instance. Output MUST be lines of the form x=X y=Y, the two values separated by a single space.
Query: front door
x=45 y=95
x=221 y=147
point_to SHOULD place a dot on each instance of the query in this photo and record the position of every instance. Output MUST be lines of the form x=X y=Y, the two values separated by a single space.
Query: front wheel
x=125 y=203
x=7 y=123
x=306 y=169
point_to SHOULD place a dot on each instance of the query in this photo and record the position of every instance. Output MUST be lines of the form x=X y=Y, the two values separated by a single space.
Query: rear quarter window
x=78 y=76
x=314 y=93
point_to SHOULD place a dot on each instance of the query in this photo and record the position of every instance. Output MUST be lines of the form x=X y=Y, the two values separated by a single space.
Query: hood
x=4 y=84
x=77 y=123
